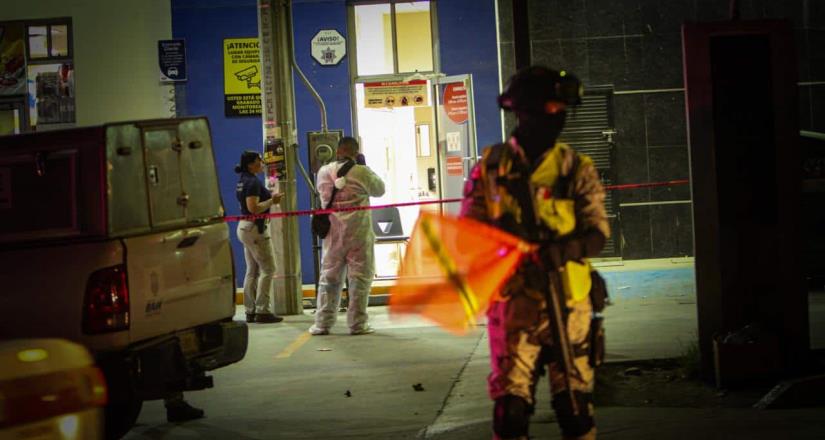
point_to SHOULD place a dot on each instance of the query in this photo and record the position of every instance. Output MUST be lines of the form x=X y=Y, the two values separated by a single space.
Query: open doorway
x=419 y=136
x=415 y=125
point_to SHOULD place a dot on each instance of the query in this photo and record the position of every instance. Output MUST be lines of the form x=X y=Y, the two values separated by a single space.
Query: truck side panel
x=179 y=279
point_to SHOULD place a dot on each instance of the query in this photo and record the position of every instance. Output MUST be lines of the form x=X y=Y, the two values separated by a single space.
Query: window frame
x=49 y=23
x=352 y=49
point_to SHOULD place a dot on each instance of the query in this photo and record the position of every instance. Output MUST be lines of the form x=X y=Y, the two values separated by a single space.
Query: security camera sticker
x=242 y=77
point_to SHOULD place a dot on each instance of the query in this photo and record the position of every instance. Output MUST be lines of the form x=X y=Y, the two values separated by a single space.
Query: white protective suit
x=349 y=245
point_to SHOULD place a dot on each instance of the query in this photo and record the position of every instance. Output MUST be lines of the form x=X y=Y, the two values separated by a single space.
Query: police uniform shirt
x=248 y=186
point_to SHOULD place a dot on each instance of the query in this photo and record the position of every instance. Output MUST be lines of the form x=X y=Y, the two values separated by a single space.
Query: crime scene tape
x=235 y=218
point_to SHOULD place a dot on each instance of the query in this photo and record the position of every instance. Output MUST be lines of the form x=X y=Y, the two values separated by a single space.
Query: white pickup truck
x=113 y=237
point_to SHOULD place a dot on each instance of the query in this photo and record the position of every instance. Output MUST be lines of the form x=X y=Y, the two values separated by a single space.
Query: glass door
x=456 y=134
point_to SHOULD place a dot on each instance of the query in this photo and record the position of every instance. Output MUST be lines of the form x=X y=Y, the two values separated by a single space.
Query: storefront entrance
x=419 y=135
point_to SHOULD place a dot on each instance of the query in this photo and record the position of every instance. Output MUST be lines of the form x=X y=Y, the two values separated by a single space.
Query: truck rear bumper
x=173 y=363
x=235 y=338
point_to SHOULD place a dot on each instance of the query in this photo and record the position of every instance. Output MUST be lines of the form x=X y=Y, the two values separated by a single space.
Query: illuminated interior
x=399 y=145
x=398 y=141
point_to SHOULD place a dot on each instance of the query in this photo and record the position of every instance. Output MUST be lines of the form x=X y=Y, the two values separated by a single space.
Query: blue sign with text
x=172 y=60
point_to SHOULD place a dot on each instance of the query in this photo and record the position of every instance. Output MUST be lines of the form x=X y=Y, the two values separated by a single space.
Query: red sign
x=455 y=166
x=455 y=102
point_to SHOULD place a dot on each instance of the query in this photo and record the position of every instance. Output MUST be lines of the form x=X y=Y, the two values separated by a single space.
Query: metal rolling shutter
x=589 y=129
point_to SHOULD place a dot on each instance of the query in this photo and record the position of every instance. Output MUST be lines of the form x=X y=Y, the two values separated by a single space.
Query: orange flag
x=453 y=268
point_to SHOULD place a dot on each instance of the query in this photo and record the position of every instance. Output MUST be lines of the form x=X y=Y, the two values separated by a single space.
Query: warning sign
x=242 y=77
x=455 y=166
x=328 y=47
x=455 y=102
x=395 y=94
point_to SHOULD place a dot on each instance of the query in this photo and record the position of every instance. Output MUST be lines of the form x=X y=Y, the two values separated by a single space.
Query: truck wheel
x=120 y=417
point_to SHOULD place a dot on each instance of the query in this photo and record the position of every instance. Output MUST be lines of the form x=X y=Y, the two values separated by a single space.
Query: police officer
x=543 y=191
x=254 y=198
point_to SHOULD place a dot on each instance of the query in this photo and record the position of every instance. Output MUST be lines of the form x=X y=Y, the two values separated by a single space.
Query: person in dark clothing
x=546 y=193
x=254 y=198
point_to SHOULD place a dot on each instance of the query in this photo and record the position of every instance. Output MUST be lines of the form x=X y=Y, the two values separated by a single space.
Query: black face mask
x=537 y=133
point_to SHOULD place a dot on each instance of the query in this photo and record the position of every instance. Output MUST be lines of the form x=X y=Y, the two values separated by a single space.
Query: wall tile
x=816 y=51
x=662 y=60
x=629 y=120
x=712 y=10
x=552 y=19
x=634 y=234
x=509 y=123
x=805 y=120
x=547 y=52
x=803 y=56
x=604 y=18
x=789 y=9
x=666 y=16
x=669 y=163
x=616 y=61
x=505 y=21
x=631 y=11
x=575 y=58
x=607 y=60
x=635 y=76
x=815 y=14
x=671 y=231
x=818 y=106
x=508 y=61
x=631 y=167
x=666 y=120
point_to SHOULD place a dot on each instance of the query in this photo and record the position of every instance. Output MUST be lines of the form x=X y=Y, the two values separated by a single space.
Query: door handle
x=173 y=236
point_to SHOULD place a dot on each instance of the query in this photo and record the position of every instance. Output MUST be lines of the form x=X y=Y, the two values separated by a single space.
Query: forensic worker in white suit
x=349 y=244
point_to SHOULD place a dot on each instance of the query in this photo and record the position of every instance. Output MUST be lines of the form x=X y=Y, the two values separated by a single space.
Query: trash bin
x=50 y=389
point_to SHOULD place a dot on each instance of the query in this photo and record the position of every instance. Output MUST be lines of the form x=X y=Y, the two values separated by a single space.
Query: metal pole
x=278 y=117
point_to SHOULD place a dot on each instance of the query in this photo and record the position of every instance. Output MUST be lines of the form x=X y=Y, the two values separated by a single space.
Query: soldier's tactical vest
x=537 y=205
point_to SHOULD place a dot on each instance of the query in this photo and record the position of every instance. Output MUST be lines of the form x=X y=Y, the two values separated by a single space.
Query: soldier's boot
x=511 y=418
x=589 y=435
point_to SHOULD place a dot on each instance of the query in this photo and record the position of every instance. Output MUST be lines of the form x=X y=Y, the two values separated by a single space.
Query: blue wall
x=205 y=23
x=331 y=82
x=467 y=35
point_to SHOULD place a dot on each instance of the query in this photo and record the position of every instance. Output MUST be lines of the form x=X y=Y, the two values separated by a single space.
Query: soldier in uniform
x=545 y=192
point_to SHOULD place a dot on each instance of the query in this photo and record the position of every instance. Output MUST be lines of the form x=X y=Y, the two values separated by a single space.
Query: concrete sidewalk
x=292 y=386
x=653 y=316
x=467 y=412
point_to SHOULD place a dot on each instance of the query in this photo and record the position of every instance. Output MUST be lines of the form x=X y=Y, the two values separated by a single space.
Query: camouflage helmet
x=537 y=89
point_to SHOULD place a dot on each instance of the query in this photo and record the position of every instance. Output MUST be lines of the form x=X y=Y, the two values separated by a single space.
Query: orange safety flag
x=453 y=268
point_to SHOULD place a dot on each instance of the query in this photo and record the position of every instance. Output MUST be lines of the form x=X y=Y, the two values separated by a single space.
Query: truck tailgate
x=42 y=291
x=179 y=279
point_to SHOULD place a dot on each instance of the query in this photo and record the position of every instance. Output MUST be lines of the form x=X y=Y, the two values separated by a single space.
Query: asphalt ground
x=413 y=380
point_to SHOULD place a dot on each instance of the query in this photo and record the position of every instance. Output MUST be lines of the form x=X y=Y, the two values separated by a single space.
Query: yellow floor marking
x=294 y=346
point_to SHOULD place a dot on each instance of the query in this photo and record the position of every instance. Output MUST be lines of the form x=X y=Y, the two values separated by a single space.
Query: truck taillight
x=106 y=305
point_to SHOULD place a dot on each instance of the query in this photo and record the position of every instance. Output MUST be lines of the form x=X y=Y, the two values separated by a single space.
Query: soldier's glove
x=557 y=253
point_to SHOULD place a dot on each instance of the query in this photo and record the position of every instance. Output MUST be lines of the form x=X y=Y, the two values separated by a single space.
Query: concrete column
x=278 y=117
